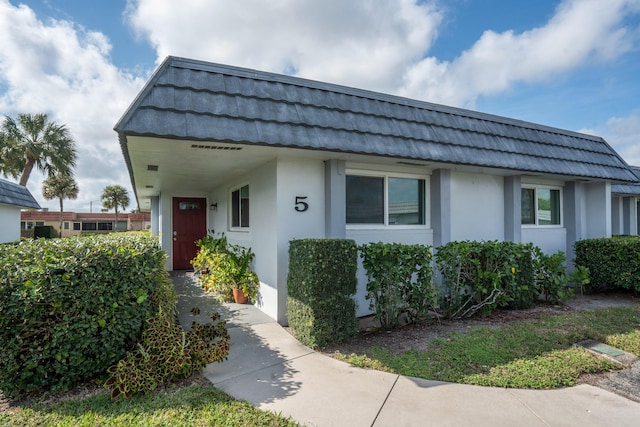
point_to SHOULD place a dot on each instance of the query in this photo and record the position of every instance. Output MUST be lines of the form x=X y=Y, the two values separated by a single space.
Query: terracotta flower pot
x=239 y=296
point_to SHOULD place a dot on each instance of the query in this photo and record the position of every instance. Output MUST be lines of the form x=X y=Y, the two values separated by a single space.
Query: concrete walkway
x=273 y=371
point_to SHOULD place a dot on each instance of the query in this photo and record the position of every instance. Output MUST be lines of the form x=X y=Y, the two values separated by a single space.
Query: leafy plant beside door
x=222 y=267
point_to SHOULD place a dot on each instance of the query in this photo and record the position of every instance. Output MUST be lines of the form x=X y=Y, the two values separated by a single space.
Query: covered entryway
x=189 y=225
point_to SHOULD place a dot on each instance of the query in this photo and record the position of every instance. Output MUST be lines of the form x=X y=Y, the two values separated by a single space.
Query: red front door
x=189 y=225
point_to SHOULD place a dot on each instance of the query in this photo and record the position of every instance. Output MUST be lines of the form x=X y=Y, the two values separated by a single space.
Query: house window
x=66 y=225
x=540 y=206
x=240 y=207
x=105 y=226
x=76 y=226
x=385 y=200
x=89 y=226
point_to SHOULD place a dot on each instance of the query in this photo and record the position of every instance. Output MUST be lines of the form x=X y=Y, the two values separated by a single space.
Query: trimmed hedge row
x=73 y=307
x=321 y=281
x=477 y=277
x=613 y=263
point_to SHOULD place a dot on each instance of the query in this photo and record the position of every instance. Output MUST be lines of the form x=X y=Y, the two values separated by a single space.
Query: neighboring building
x=625 y=207
x=269 y=158
x=74 y=223
x=13 y=198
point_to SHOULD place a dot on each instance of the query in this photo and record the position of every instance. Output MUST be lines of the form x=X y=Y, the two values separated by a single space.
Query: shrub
x=481 y=276
x=72 y=307
x=400 y=281
x=321 y=282
x=223 y=267
x=613 y=263
x=168 y=353
x=551 y=276
x=44 y=232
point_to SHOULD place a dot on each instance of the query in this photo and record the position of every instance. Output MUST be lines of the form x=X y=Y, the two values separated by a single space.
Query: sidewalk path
x=273 y=371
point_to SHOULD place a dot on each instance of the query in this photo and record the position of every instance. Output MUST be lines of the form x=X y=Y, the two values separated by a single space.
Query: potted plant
x=226 y=269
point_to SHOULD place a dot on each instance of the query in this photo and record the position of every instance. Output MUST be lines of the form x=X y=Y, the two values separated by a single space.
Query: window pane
x=235 y=208
x=244 y=206
x=365 y=200
x=189 y=206
x=527 y=206
x=548 y=206
x=240 y=207
x=406 y=201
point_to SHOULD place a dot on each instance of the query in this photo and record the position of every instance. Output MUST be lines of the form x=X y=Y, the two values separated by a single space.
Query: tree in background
x=114 y=196
x=60 y=186
x=33 y=140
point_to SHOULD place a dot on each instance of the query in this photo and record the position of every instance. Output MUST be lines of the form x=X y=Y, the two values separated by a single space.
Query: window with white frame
x=541 y=206
x=385 y=200
x=240 y=207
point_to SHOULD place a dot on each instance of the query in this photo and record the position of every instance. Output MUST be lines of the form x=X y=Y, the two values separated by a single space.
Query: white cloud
x=581 y=32
x=63 y=70
x=359 y=43
x=383 y=46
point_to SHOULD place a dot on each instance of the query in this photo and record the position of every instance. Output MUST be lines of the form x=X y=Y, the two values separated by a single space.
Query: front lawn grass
x=195 y=405
x=536 y=354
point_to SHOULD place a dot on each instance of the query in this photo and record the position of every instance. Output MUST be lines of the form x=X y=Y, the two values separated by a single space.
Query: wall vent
x=215 y=147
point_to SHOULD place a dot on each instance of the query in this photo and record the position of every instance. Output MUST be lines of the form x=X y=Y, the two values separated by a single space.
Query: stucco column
x=598 y=210
x=512 y=209
x=630 y=214
x=335 y=194
x=573 y=195
x=441 y=206
x=155 y=216
x=617 y=212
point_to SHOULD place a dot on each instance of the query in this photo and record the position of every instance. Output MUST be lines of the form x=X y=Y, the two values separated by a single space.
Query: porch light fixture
x=214 y=206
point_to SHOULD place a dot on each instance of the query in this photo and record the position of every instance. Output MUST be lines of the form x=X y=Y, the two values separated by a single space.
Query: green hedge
x=400 y=281
x=321 y=282
x=72 y=307
x=613 y=263
x=481 y=276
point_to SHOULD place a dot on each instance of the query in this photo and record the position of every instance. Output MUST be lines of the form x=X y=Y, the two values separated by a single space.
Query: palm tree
x=60 y=186
x=31 y=141
x=114 y=196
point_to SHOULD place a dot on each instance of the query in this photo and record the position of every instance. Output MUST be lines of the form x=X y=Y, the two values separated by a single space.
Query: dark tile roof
x=16 y=195
x=188 y=99
x=629 y=189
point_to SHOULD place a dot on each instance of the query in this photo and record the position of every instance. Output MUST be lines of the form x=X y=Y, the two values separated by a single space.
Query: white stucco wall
x=297 y=178
x=9 y=223
x=550 y=240
x=477 y=207
x=273 y=188
x=263 y=213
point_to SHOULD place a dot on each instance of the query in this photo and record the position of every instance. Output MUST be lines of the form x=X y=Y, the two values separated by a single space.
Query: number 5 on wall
x=301 y=205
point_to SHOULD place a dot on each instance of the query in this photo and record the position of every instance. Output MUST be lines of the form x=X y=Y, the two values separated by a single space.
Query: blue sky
x=573 y=64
